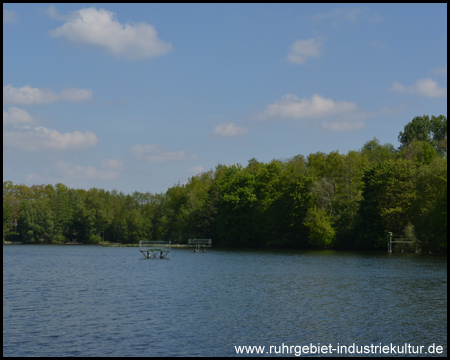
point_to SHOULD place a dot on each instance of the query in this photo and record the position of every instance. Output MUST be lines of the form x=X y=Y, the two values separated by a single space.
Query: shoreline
x=187 y=246
x=100 y=244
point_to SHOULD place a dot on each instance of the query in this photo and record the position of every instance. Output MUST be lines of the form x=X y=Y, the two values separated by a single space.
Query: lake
x=100 y=301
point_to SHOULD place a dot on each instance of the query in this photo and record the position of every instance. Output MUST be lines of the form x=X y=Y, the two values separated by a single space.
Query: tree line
x=343 y=201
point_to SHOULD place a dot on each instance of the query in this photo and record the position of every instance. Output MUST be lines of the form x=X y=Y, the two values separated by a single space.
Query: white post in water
x=390 y=243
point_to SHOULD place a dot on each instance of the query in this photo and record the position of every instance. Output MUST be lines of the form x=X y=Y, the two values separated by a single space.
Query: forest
x=334 y=201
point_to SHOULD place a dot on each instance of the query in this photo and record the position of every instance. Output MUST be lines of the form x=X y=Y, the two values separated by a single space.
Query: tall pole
x=390 y=242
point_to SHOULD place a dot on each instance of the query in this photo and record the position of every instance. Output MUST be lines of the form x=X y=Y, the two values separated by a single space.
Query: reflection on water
x=94 y=301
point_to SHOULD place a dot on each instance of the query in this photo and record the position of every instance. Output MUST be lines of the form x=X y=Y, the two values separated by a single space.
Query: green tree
x=153 y=214
x=348 y=195
x=321 y=230
x=7 y=216
x=209 y=213
x=62 y=206
x=268 y=186
x=422 y=128
x=325 y=165
x=236 y=208
x=36 y=221
x=377 y=153
x=144 y=201
x=98 y=201
x=429 y=206
x=287 y=213
x=176 y=212
x=135 y=224
x=420 y=152
x=439 y=131
x=197 y=192
x=387 y=196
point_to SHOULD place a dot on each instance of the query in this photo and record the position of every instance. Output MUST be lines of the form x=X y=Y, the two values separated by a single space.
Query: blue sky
x=140 y=97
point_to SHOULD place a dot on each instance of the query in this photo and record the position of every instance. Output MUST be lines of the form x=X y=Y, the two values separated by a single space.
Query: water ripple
x=93 y=301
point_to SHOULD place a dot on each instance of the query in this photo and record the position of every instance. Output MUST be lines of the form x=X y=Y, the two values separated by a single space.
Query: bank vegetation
x=343 y=201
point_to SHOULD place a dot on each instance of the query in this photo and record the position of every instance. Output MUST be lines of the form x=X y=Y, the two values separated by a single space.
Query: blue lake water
x=97 y=301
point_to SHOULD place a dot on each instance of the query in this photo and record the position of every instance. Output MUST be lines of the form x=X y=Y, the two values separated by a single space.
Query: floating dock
x=154 y=249
x=200 y=244
x=400 y=239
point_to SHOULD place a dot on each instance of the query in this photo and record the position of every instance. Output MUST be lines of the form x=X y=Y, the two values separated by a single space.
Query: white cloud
x=343 y=126
x=423 y=87
x=27 y=95
x=16 y=116
x=442 y=71
x=72 y=172
x=40 y=138
x=53 y=13
x=197 y=169
x=291 y=107
x=72 y=94
x=301 y=50
x=9 y=16
x=229 y=129
x=155 y=154
x=112 y=164
x=101 y=28
x=34 y=178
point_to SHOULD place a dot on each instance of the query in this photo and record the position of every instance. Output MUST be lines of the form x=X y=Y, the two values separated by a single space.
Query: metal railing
x=154 y=248
x=198 y=244
x=400 y=239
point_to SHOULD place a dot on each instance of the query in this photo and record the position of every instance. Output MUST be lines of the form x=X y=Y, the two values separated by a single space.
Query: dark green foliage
x=422 y=128
x=376 y=153
x=420 y=152
x=429 y=206
x=333 y=200
x=36 y=222
x=387 y=195
x=7 y=218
